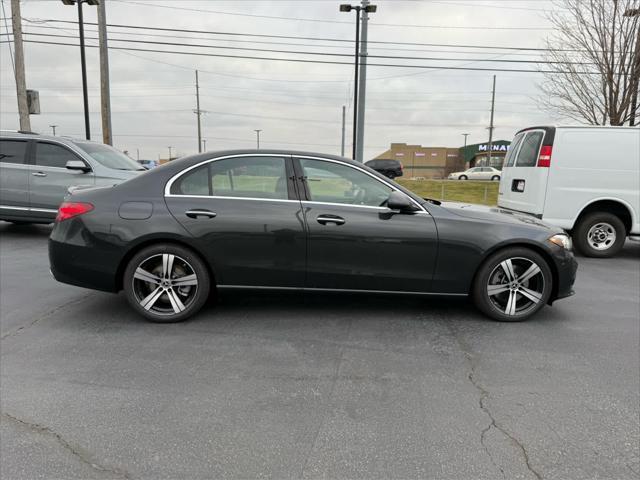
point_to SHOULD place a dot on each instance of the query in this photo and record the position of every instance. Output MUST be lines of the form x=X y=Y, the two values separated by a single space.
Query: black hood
x=496 y=215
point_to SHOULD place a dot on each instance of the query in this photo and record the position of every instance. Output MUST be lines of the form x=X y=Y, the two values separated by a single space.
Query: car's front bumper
x=566 y=269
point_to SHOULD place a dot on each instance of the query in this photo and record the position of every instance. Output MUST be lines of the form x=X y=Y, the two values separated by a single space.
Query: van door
x=524 y=176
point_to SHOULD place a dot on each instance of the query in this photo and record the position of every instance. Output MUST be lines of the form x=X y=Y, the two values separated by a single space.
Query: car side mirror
x=400 y=202
x=78 y=165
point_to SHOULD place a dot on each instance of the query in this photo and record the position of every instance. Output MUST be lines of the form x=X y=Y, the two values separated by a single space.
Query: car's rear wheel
x=462 y=177
x=495 y=178
x=512 y=284
x=166 y=283
x=599 y=234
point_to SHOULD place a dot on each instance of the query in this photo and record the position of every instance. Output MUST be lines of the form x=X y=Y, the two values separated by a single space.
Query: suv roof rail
x=20 y=131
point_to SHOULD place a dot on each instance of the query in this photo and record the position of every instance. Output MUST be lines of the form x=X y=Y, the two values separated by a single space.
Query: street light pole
x=257 y=138
x=83 y=60
x=465 y=135
x=53 y=127
x=170 y=147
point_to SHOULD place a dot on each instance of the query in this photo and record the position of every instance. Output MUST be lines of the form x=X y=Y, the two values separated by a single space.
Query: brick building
x=425 y=162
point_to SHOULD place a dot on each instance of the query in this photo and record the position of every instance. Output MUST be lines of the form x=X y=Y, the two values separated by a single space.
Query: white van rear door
x=523 y=185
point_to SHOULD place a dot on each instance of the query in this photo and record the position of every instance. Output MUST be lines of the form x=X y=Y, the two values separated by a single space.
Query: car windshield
x=108 y=156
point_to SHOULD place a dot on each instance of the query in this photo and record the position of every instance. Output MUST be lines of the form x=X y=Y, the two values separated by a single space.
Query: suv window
x=334 y=183
x=528 y=154
x=13 y=151
x=513 y=149
x=251 y=177
x=51 y=155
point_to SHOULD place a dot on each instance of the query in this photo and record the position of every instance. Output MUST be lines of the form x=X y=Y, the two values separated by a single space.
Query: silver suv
x=37 y=170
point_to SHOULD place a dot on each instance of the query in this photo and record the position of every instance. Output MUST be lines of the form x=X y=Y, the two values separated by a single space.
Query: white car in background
x=477 y=173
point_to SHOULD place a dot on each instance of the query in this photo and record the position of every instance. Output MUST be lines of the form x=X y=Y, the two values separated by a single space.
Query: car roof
x=17 y=134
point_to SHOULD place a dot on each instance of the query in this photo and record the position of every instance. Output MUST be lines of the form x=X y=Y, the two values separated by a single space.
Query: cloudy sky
x=296 y=105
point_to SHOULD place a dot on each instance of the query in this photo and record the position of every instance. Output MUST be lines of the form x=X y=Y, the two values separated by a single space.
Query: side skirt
x=338 y=290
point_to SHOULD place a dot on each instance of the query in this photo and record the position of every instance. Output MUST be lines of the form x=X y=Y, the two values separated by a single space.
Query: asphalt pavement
x=331 y=386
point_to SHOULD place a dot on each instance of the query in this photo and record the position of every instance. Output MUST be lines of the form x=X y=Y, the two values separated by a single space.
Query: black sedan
x=280 y=220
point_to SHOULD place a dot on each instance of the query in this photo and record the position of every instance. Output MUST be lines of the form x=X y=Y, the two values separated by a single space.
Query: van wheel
x=599 y=234
x=462 y=177
x=495 y=178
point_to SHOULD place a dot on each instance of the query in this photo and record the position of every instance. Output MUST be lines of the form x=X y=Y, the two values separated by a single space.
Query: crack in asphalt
x=83 y=457
x=484 y=394
x=47 y=314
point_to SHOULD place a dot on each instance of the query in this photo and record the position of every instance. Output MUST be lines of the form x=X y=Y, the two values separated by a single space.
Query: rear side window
x=528 y=154
x=250 y=177
x=513 y=150
x=50 y=155
x=13 y=151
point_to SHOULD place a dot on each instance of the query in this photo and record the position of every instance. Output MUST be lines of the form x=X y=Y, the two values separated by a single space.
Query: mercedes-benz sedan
x=298 y=221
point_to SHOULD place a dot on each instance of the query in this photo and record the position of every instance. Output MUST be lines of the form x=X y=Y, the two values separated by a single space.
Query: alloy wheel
x=165 y=284
x=516 y=286
x=601 y=236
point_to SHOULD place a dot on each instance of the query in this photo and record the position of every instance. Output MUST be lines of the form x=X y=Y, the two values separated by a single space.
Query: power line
x=300 y=60
x=297 y=52
x=292 y=37
x=318 y=20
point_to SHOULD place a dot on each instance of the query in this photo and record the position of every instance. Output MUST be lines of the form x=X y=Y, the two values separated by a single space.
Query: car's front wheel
x=462 y=177
x=512 y=284
x=166 y=283
x=495 y=178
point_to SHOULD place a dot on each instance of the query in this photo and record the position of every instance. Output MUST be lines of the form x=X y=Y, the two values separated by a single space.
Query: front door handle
x=38 y=174
x=325 y=219
x=195 y=213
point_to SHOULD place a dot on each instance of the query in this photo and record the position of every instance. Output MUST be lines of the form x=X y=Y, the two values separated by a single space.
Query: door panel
x=48 y=177
x=355 y=242
x=14 y=174
x=529 y=196
x=249 y=240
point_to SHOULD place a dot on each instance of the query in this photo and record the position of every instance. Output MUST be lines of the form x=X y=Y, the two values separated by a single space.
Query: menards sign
x=494 y=148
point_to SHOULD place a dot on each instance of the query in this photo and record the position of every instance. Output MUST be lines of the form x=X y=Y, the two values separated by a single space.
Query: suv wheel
x=166 y=283
x=599 y=234
x=512 y=284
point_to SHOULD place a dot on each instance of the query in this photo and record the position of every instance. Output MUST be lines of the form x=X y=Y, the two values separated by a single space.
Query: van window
x=513 y=150
x=12 y=151
x=528 y=154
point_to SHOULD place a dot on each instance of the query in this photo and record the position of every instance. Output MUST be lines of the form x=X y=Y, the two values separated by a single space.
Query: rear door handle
x=38 y=174
x=195 y=213
x=325 y=219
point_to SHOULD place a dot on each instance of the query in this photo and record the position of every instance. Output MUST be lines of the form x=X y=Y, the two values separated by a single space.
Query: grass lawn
x=485 y=193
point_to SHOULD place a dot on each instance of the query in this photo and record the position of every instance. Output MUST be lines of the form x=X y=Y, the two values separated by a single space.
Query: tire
x=599 y=235
x=158 y=298
x=504 y=301
x=462 y=177
x=495 y=178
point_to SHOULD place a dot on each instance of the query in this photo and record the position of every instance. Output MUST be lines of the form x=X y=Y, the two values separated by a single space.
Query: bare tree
x=594 y=56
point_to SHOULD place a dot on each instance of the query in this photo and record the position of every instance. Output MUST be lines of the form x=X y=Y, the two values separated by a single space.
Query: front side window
x=335 y=183
x=13 y=151
x=528 y=154
x=248 y=177
x=513 y=150
x=51 y=155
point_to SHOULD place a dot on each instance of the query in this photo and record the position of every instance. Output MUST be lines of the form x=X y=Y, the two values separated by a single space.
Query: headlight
x=562 y=240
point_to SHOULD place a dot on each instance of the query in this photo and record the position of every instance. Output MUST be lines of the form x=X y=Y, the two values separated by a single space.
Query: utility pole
x=491 y=127
x=198 y=113
x=362 y=81
x=204 y=144
x=258 y=138
x=21 y=82
x=137 y=154
x=465 y=135
x=344 y=110
x=105 y=93
x=170 y=147
x=83 y=61
x=635 y=75
x=53 y=127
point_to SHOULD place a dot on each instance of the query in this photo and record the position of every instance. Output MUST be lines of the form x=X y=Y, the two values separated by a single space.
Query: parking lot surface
x=297 y=386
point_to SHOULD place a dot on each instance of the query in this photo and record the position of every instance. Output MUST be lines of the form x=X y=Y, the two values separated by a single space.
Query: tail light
x=544 y=159
x=72 y=209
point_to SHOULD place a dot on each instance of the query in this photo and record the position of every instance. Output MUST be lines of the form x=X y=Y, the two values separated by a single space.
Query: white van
x=583 y=179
